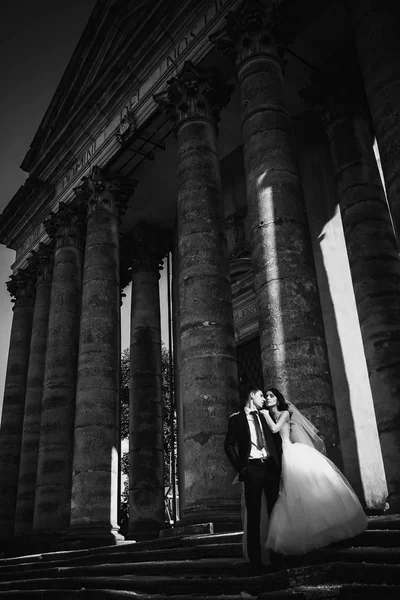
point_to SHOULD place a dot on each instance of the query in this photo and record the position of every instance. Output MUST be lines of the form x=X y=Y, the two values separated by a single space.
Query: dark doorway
x=248 y=356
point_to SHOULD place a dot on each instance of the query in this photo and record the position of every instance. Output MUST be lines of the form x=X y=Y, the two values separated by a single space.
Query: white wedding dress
x=316 y=504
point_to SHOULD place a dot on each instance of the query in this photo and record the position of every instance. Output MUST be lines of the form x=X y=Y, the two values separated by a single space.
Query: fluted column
x=208 y=372
x=376 y=28
x=146 y=447
x=21 y=287
x=53 y=485
x=42 y=262
x=293 y=348
x=95 y=464
x=372 y=250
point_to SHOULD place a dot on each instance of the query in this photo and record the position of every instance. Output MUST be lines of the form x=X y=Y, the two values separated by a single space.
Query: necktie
x=257 y=425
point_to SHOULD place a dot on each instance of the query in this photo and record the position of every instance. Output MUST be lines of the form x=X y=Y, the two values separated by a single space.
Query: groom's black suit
x=258 y=475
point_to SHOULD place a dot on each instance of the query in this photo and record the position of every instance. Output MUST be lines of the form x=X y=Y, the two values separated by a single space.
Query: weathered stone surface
x=146 y=446
x=53 y=485
x=375 y=268
x=33 y=400
x=95 y=463
x=293 y=347
x=376 y=26
x=22 y=288
x=207 y=363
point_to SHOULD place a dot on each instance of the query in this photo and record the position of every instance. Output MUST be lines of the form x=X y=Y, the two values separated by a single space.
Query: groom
x=255 y=452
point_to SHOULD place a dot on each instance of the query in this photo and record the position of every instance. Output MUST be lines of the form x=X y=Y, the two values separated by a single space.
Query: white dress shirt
x=255 y=451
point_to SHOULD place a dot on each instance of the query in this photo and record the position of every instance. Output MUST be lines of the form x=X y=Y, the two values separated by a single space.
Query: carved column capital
x=105 y=192
x=41 y=262
x=195 y=93
x=337 y=90
x=150 y=244
x=21 y=287
x=66 y=226
x=255 y=28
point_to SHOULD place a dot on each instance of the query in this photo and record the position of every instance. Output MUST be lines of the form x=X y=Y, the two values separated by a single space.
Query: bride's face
x=271 y=399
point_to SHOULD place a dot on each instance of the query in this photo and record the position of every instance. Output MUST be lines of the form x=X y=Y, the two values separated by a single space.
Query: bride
x=316 y=504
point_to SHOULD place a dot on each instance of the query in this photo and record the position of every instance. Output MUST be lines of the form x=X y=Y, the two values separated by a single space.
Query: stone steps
x=223 y=550
x=207 y=567
x=352 y=591
x=172 y=586
x=104 y=594
x=229 y=553
x=211 y=583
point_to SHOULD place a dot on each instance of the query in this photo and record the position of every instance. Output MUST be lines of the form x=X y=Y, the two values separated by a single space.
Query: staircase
x=209 y=567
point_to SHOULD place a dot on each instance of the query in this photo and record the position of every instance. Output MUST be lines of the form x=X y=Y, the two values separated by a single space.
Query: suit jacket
x=238 y=442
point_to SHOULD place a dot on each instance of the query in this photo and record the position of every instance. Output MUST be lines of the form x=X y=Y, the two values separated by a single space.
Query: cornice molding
x=101 y=124
x=144 y=32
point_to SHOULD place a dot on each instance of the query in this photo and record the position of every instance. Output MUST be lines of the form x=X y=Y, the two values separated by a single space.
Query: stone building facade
x=237 y=136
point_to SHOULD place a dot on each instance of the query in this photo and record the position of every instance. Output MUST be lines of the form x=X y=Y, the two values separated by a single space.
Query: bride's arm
x=275 y=427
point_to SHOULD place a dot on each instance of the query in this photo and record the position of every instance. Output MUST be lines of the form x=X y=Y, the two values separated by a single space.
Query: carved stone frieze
x=105 y=192
x=150 y=244
x=126 y=127
x=67 y=225
x=252 y=29
x=194 y=93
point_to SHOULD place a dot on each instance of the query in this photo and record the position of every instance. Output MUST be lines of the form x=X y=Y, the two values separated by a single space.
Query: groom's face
x=258 y=400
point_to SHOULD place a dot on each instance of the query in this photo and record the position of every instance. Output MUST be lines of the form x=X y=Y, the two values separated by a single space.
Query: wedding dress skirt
x=316 y=504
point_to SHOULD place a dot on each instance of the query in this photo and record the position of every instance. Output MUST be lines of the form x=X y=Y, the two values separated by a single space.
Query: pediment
x=111 y=29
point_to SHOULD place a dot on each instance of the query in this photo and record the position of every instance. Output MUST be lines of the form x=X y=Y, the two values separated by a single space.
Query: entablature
x=93 y=140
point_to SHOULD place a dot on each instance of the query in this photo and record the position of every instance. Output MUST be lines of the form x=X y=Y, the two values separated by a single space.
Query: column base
x=91 y=535
x=206 y=521
x=217 y=515
x=144 y=531
x=195 y=529
x=36 y=543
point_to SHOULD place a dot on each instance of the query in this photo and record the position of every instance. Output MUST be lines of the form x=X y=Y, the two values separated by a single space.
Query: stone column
x=372 y=250
x=21 y=286
x=208 y=372
x=146 y=447
x=376 y=26
x=292 y=337
x=42 y=262
x=53 y=485
x=95 y=465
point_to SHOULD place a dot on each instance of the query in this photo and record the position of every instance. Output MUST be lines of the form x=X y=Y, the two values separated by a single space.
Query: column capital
x=102 y=191
x=194 y=93
x=337 y=90
x=21 y=287
x=41 y=261
x=66 y=226
x=150 y=244
x=255 y=28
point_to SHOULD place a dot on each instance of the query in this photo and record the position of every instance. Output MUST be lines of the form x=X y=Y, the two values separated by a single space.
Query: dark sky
x=37 y=39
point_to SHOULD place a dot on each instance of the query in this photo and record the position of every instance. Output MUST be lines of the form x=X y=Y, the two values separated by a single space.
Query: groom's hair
x=252 y=390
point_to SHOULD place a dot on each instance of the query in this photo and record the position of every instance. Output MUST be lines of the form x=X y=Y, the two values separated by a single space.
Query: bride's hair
x=282 y=404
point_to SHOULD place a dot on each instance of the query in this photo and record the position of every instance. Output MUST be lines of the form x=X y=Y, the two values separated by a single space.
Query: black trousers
x=260 y=478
